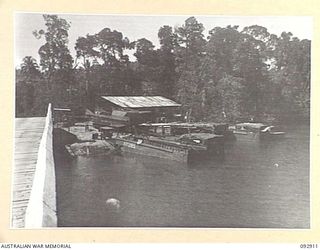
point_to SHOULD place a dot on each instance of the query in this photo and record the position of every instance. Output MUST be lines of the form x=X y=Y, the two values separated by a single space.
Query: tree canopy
x=230 y=74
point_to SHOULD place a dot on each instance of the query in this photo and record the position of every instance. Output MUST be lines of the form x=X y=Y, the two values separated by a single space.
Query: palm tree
x=30 y=68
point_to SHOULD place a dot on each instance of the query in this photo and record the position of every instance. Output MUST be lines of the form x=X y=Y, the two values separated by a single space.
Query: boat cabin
x=247 y=126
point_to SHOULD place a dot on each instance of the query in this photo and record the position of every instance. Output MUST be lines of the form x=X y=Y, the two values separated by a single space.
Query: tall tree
x=168 y=74
x=106 y=65
x=111 y=45
x=86 y=58
x=148 y=66
x=291 y=76
x=145 y=53
x=54 y=54
x=249 y=64
x=56 y=61
x=189 y=50
x=190 y=38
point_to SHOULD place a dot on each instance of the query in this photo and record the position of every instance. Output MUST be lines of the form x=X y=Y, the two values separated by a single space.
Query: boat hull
x=170 y=153
x=252 y=136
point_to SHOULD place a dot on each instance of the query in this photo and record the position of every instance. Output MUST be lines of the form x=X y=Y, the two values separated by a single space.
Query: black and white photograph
x=161 y=121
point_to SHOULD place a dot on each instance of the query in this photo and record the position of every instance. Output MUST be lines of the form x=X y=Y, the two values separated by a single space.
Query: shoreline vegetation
x=230 y=75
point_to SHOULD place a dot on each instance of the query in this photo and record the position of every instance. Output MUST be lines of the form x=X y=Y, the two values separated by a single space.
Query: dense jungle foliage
x=228 y=75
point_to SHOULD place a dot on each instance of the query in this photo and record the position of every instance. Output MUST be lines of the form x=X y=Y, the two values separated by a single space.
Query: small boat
x=256 y=131
x=184 y=148
x=180 y=128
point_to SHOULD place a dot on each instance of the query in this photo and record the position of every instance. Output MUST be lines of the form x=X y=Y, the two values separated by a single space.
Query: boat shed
x=151 y=108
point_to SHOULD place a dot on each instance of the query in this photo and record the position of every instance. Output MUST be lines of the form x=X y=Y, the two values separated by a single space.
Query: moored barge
x=184 y=148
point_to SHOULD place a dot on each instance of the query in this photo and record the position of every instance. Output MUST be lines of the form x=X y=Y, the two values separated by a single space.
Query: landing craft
x=250 y=131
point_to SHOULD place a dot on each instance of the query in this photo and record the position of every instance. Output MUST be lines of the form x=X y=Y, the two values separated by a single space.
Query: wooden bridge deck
x=28 y=133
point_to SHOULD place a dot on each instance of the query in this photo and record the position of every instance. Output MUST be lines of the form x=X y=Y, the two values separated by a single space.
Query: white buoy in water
x=113 y=203
x=276 y=165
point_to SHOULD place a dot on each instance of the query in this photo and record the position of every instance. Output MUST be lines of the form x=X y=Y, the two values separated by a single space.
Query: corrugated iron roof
x=141 y=101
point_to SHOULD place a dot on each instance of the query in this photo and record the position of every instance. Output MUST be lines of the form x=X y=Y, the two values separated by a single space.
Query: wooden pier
x=33 y=173
x=28 y=134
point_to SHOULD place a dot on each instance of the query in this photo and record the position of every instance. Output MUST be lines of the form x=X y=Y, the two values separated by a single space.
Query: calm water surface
x=246 y=190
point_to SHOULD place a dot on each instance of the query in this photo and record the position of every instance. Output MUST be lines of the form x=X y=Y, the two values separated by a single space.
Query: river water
x=258 y=185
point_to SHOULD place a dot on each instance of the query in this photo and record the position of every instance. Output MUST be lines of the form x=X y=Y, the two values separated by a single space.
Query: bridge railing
x=41 y=210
